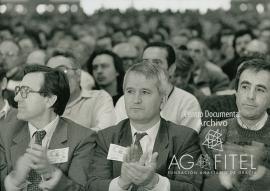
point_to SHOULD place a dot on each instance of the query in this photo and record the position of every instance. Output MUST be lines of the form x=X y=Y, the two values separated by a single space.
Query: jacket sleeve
x=101 y=174
x=185 y=174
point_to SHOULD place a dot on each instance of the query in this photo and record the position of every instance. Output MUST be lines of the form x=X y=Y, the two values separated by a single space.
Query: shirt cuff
x=10 y=184
x=162 y=185
x=114 y=186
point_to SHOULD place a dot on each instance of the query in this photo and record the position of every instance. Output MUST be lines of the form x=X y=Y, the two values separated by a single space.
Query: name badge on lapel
x=116 y=152
x=56 y=156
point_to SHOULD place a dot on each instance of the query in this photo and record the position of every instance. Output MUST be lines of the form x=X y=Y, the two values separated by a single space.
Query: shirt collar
x=83 y=94
x=257 y=126
x=151 y=132
x=49 y=128
x=5 y=109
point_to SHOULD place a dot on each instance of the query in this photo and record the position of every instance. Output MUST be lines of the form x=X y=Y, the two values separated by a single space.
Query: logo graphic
x=213 y=140
x=204 y=162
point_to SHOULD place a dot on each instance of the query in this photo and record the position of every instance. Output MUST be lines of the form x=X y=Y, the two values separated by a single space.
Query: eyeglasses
x=65 y=69
x=24 y=91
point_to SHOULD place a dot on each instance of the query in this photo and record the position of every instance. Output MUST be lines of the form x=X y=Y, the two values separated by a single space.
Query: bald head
x=36 y=57
x=127 y=52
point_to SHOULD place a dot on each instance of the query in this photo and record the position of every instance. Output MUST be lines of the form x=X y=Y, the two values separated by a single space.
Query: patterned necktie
x=139 y=152
x=34 y=178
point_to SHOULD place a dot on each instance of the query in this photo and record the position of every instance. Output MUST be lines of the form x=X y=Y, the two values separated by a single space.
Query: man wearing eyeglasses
x=90 y=108
x=46 y=152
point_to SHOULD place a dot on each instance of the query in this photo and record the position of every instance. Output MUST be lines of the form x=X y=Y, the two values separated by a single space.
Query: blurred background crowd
x=216 y=40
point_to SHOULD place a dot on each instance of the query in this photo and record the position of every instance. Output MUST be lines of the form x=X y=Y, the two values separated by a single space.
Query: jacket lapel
x=59 y=137
x=125 y=140
x=20 y=143
x=162 y=147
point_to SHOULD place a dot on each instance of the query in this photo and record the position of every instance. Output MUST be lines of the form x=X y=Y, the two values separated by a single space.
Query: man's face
x=156 y=55
x=253 y=94
x=9 y=52
x=34 y=106
x=65 y=64
x=142 y=98
x=241 y=43
x=103 y=70
x=197 y=51
x=26 y=45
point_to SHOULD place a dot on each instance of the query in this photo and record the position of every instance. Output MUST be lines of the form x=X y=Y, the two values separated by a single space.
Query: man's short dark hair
x=170 y=51
x=118 y=65
x=242 y=33
x=55 y=83
x=255 y=64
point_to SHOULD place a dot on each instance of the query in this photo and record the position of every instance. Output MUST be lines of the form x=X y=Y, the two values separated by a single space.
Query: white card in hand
x=58 y=155
x=116 y=152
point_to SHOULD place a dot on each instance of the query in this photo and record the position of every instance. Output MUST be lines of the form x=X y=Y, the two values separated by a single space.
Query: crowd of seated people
x=139 y=100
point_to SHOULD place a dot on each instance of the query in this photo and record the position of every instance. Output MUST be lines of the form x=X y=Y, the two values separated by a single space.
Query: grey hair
x=151 y=71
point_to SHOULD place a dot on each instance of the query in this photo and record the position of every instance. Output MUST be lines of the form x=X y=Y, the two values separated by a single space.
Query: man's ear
x=163 y=102
x=51 y=100
x=3 y=83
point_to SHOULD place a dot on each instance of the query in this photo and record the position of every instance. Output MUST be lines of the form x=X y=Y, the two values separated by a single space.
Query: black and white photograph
x=134 y=95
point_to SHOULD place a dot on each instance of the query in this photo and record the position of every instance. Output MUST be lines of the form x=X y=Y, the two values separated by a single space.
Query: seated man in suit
x=45 y=151
x=144 y=133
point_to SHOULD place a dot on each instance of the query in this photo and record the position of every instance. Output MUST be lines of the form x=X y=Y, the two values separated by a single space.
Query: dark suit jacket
x=14 y=141
x=171 y=140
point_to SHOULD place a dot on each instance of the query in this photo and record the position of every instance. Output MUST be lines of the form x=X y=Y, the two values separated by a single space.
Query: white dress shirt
x=147 y=143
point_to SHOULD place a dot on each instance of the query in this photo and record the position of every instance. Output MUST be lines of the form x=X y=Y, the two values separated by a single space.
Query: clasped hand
x=34 y=158
x=139 y=172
